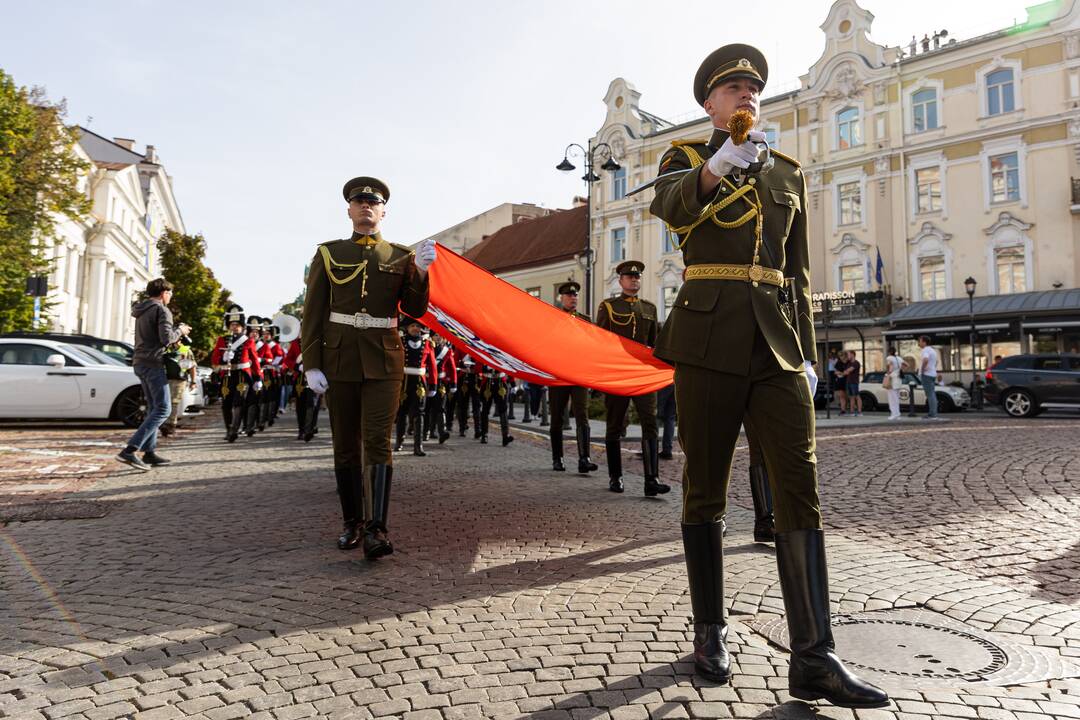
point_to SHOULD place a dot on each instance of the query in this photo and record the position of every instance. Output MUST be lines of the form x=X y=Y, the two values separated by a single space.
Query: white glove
x=453 y=389
x=431 y=393
x=811 y=377
x=731 y=156
x=257 y=385
x=317 y=381
x=425 y=254
x=227 y=356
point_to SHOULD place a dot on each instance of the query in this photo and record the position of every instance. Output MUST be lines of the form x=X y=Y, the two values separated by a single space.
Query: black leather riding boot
x=584 y=463
x=614 y=465
x=418 y=435
x=350 y=494
x=764 y=527
x=815 y=672
x=651 y=463
x=376 y=511
x=557 y=450
x=504 y=425
x=704 y=548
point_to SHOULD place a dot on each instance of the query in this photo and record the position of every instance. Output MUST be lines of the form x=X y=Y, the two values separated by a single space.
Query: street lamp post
x=976 y=392
x=588 y=154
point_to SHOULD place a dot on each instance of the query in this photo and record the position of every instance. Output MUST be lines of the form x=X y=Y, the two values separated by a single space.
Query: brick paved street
x=213 y=589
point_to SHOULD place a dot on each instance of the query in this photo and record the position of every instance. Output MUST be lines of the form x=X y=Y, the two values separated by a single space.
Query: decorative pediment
x=849 y=241
x=669 y=270
x=1007 y=222
x=930 y=231
x=846 y=84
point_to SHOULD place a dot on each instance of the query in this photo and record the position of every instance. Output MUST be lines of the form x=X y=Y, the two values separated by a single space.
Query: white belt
x=363 y=320
x=442 y=375
x=234 y=366
x=416 y=371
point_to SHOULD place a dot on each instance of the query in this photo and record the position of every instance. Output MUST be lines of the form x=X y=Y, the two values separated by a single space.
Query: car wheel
x=869 y=402
x=945 y=403
x=1019 y=403
x=130 y=408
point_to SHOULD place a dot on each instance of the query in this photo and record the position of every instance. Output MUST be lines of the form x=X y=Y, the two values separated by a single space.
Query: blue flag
x=879 y=273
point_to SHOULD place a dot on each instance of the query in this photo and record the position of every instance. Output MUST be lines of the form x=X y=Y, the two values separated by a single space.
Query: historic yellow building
x=951 y=158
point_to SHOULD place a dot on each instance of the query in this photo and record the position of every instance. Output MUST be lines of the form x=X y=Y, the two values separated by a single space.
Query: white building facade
x=104 y=260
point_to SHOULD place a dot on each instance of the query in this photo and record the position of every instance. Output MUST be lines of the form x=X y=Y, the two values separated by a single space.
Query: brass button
x=752 y=181
x=685 y=302
x=755 y=284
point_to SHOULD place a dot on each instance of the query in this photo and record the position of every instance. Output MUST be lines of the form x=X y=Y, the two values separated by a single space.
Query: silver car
x=875 y=396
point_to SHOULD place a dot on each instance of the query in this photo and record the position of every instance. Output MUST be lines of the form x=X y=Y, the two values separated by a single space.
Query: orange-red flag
x=523 y=336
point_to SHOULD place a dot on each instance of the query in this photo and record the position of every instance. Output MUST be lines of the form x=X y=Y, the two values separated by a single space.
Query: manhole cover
x=60 y=510
x=919 y=648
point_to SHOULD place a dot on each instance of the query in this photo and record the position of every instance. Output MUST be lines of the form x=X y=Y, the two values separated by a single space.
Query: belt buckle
x=358 y=320
x=756 y=273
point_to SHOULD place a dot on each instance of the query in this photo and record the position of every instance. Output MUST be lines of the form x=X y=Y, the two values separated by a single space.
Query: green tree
x=39 y=182
x=296 y=307
x=198 y=298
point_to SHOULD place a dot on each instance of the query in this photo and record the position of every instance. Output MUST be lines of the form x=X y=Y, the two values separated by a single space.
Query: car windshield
x=90 y=355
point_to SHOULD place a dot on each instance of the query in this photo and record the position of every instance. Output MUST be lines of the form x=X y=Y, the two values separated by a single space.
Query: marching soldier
x=631 y=317
x=578 y=397
x=352 y=352
x=420 y=381
x=494 y=388
x=236 y=361
x=741 y=338
x=271 y=357
x=447 y=386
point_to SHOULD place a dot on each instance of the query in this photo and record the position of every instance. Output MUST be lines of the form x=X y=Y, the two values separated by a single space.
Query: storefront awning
x=1030 y=307
x=979 y=327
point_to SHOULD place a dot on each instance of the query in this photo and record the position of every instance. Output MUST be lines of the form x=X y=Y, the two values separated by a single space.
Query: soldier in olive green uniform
x=740 y=336
x=631 y=317
x=352 y=352
x=578 y=397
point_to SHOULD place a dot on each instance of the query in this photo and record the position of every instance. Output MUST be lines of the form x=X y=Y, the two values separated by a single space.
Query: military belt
x=747 y=273
x=416 y=371
x=363 y=320
x=233 y=366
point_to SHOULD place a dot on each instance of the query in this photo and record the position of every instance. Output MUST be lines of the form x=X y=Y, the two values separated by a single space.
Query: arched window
x=848 y=128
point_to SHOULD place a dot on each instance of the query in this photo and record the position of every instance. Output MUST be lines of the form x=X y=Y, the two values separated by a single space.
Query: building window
x=1004 y=178
x=928 y=189
x=1000 y=95
x=850 y=203
x=924 y=110
x=772 y=136
x=618 y=245
x=669 y=295
x=932 y=278
x=618 y=184
x=848 y=134
x=670 y=241
x=534 y=291
x=1011 y=272
x=851 y=278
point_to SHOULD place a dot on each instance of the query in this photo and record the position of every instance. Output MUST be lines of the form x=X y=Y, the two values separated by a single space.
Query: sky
x=261 y=111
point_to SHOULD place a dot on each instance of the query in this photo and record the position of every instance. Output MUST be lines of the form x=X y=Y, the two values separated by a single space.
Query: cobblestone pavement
x=212 y=588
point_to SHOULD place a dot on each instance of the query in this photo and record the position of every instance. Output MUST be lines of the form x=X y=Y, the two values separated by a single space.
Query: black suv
x=122 y=351
x=1025 y=385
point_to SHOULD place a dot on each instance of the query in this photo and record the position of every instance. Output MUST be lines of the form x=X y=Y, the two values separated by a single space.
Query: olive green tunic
x=736 y=352
x=364 y=366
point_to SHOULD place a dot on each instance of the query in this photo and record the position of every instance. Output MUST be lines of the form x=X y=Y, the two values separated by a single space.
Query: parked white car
x=875 y=397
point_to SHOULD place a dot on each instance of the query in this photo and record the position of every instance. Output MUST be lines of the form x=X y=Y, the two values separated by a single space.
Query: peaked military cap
x=366 y=188
x=630 y=267
x=569 y=288
x=731 y=61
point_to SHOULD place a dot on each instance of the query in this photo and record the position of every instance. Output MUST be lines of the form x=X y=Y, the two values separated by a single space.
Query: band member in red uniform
x=235 y=359
x=468 y=395
x=307 y=401
x=270 y=357
x=421 y=376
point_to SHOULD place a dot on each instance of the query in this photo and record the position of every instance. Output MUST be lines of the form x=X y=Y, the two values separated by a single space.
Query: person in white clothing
x=893 y=367
x=928 y=366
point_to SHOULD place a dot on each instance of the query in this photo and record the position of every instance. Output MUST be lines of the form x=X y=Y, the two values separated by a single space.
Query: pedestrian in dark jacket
x=154 y=332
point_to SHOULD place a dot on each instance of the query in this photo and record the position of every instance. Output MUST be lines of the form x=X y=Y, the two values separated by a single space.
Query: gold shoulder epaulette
x=790 y=159
x=330 y=242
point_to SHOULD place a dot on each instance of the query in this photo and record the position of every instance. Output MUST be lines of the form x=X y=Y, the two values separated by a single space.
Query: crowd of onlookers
x=845 y=371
